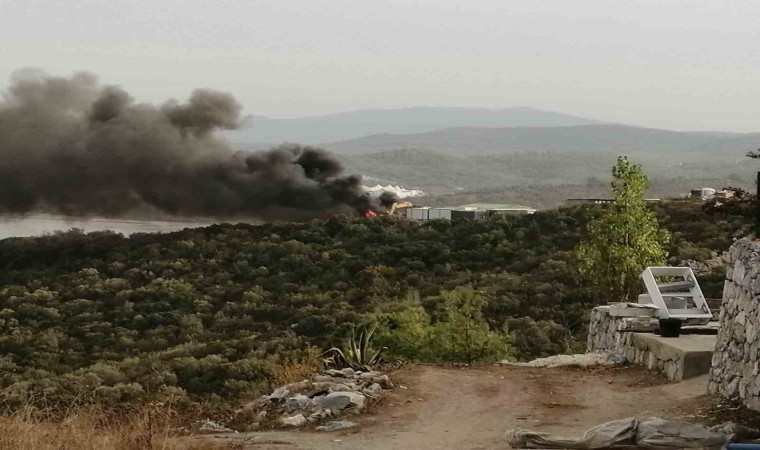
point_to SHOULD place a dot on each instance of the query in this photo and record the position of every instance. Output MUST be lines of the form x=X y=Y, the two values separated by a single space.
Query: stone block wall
x=735 y=369
x=607 y=334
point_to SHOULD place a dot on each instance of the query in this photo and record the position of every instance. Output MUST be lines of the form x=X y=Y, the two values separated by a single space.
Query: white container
x=419 y=213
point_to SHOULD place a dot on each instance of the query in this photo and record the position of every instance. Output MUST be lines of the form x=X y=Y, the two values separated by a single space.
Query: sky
x=675 y=64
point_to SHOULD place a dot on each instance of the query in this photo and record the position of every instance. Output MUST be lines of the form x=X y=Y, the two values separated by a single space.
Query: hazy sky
x=680 y=64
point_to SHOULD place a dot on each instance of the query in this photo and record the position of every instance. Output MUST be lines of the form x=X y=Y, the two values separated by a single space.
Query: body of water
x=35 y=224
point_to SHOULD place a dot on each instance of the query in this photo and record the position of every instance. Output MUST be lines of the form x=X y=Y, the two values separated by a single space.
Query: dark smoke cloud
x=73 y=146
x=388 y=198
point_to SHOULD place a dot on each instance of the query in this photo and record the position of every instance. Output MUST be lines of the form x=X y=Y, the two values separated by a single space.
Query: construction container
x=468 y=214
x=439 y=213
x=418 y=213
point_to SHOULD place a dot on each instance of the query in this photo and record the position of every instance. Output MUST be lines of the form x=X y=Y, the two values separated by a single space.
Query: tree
x=754 y=207
x=624 y=239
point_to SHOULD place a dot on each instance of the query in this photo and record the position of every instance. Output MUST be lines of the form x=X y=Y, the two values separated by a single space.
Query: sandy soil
x=471 y=408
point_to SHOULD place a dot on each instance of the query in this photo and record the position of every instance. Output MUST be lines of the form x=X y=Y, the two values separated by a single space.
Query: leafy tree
x=624 y=239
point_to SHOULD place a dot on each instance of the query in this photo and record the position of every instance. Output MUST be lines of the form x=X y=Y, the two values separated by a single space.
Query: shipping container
x=467 y=214
x=440 y=213
x=419 y=213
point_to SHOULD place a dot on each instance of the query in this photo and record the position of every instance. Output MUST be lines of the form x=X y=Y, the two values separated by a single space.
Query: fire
x=370 y=213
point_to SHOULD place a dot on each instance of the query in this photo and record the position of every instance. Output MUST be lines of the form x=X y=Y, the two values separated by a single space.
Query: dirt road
x=471 y=408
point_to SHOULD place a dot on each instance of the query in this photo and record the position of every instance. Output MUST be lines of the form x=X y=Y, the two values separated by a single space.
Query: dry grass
x=293 y=371
x=93 y=429
x=151 y=427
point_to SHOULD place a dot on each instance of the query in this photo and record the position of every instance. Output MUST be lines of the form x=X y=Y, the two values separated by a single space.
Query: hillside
x=436 y=171
x=617 y=139
x=221 y=313
x=356 y=124
x=554 y=196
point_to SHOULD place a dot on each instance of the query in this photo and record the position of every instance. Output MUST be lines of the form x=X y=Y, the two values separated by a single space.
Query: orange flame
x=370 y=213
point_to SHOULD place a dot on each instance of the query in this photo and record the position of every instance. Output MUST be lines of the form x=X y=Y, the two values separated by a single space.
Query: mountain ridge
x=419 y=119
x=613 y=138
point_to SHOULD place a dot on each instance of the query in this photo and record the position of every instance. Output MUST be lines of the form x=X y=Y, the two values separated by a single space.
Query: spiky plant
x=357 y=353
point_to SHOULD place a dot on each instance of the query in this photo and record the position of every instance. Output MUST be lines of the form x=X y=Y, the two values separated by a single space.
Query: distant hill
x=618 y=139
x=356 y=124
x=429 y=168
x=435 y=170
x=547 y=197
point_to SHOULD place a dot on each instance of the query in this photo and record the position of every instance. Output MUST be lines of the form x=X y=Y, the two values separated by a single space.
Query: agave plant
x=357 y=353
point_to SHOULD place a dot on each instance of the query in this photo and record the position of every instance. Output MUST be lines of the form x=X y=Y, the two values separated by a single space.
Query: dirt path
x=471 y=408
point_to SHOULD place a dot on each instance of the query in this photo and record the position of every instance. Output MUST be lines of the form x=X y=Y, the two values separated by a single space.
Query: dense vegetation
x=435 y=169
x=550 y=197
x=222 y=312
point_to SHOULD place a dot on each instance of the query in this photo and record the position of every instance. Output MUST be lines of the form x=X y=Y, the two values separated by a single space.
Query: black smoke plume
x=73 y=146
x=388 y=199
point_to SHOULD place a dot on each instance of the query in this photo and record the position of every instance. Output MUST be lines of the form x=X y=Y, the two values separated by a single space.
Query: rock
x=338 y=401
x=334 y=387
x=326 y=379
x=369 y=375
x=348 y=372
x=319 y=415
x=580 y=360
x=334 y=373
x=299 y=387
x=372 y=390
x=337 y=425
x=293 y=421
x=209 y=426
x=279 y=394
x=298 y=403
x=383 y=380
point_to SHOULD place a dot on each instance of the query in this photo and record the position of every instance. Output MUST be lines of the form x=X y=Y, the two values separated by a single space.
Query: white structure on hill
x=377 y=190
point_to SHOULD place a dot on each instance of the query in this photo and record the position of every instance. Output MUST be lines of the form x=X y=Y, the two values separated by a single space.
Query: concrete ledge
x=679 y=358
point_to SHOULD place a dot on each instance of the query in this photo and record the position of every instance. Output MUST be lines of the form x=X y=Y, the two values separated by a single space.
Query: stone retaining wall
x=735 y=369
x=608 y=334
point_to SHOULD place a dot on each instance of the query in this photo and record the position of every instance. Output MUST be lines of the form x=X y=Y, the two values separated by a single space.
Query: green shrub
x=462 y=335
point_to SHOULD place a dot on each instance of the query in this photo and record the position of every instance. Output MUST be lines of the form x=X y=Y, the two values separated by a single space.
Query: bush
x=462 y=335
x=537 y=338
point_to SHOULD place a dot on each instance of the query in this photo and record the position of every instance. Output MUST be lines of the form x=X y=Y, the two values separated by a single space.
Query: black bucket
x=670 y=328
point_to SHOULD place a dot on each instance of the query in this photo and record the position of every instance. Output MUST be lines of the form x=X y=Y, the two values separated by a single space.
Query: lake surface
x=21 y=225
